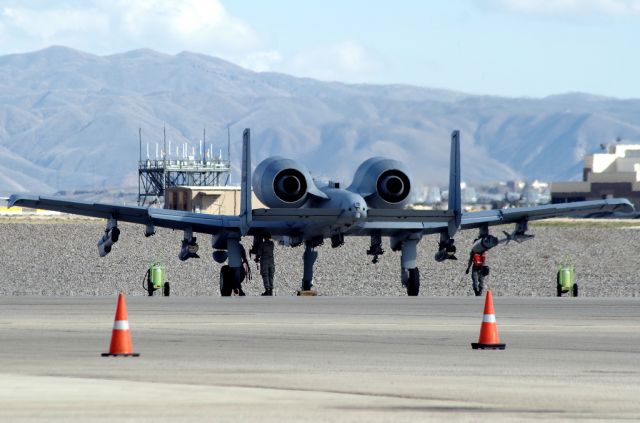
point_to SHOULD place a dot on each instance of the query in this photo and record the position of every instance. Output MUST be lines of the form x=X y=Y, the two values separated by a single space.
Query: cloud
x=47 y=25
x=344 y=61
x=170 y=26
x=107 y=26
x=568 y=7
x=262 y=61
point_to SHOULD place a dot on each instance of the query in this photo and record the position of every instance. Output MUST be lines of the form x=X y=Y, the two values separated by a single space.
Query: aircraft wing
x=172 y=219
x=515 y=215
x=390 y=222
x=279 y=221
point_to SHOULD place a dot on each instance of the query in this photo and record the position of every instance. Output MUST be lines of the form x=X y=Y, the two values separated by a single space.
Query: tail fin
x=455 y=195
x=245 y=185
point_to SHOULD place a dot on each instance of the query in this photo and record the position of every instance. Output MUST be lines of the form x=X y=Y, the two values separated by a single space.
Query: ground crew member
x=264 y=255
x=245 y=273
x=479 y=271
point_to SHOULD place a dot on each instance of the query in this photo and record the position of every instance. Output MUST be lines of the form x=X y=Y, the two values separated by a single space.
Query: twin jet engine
x=284 y=183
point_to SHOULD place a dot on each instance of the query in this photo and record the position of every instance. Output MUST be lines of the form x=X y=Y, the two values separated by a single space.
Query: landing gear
x=410 y=274
x=575 y=289
x=413 y=283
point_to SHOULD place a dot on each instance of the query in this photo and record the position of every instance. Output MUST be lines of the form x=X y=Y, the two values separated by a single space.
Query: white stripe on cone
x=489 y=318
x=121 y=325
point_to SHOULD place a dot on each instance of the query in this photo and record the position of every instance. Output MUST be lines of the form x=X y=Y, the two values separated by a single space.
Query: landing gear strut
x=410 y=273
x=413 y=282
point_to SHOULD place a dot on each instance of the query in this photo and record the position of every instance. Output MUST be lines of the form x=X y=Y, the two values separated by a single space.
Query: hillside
x=69 y=120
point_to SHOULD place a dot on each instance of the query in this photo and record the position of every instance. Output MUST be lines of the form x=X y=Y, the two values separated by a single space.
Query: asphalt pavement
x=356 y=359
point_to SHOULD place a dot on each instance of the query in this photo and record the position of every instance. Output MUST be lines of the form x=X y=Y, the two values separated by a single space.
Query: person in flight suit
x=264 y=255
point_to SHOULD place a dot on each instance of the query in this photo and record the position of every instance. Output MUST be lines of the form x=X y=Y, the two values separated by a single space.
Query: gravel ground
x=59 y=257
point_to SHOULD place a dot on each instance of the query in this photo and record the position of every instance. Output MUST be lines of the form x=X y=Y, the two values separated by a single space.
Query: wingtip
x=621 y=205
x=11 y=201
x=14 y=199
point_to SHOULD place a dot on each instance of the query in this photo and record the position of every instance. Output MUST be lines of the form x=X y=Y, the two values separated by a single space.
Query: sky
x=532 y=48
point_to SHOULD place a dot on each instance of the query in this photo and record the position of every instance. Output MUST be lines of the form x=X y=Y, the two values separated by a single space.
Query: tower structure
x=195 y=170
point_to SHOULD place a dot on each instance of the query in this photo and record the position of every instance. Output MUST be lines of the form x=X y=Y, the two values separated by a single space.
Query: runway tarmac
x=349 y=359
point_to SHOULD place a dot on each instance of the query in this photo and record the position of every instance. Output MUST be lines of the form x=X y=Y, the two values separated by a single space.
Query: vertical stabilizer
x=455 y=194
x=245 y=185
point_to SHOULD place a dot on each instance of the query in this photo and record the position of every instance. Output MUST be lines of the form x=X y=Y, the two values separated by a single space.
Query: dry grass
x=586 y=223
x=47 y=219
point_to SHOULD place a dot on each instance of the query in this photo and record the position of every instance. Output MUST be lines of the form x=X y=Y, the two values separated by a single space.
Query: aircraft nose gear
x=410 y=274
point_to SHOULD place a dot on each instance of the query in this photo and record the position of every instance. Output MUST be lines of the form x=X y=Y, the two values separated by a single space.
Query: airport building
x=612 y=173
x=207 y=199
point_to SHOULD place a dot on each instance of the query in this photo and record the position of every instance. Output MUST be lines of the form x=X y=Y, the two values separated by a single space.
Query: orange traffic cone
x=489 y=339
x=121 y=337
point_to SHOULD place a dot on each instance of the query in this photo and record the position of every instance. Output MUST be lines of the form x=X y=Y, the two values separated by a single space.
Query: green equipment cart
x=156 y=279
x=566 y=280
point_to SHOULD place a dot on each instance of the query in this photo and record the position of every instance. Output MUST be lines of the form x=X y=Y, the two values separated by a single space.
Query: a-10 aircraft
x=301 y=212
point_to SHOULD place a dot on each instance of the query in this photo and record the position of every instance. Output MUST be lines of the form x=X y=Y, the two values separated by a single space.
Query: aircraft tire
x=413 y=283
x=559 y=290
x=575 y=289
x=226 y=281
x=166 y=289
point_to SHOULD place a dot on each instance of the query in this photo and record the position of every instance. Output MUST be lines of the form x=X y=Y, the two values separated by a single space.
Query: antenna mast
x=140 y=139
x=139 y=162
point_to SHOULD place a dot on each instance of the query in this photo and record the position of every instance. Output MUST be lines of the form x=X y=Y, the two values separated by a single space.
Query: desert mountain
x=69 y=120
